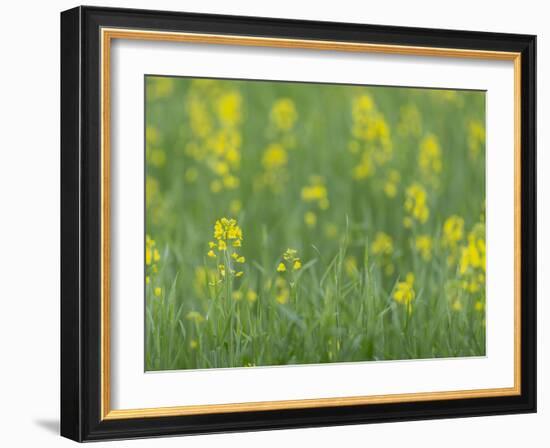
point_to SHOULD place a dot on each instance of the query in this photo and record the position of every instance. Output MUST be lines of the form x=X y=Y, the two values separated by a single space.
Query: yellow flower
x=404 y=292
x=229 y=108
x=283 y=114
x=221 y=168
x=316 y=192
x=290 y=254
x=251 y=296
x=147 y=279
x=274 y=157
x=429 y=159
x=473 y=254
x=290 y=261
x=392 y=182
x=231 y=182
x=193 y=344
x=472 y=263
x=423 y=244
x=227 y=229
x=215 y=139
x=457 y=305
x=479 y=306
x=310 y=219
x=371 y=137
x=228 y=236
x=453 y=231
x=237 y=295
x=151 y=254
x=365 y=168
x=195 y=317
x=415 y=205
x=382 y=244
x=211 y=254
x=158 y=291
x=282 y=296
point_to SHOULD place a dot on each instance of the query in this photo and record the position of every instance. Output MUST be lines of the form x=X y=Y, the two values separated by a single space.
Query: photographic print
x=304 y=223
x=253 y=207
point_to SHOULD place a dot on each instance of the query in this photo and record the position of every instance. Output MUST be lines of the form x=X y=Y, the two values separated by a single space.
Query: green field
x=292 y=223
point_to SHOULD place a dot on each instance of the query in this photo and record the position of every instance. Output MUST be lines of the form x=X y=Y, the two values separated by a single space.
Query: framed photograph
x=273 y=223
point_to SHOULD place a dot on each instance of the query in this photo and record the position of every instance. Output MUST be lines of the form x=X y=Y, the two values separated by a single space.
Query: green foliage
x=379 y=191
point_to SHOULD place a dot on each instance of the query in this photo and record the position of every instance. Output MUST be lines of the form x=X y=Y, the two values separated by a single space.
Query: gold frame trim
x=107 y=35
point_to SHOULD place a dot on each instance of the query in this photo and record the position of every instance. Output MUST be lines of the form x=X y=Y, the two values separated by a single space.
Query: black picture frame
x=81 y=224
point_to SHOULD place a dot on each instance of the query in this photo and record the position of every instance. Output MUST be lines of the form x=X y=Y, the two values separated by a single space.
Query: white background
x=132 y=388
x=29 y=189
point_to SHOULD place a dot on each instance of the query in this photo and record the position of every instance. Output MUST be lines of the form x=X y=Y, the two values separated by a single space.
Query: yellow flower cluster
x=382 y=247
x=251 y=295
x=290 y=260
x=423 y=245
x=316 y=192
x=467 y=256
x=416 y=206
x=382 y=244
x=453 y=232
x=283 y=117
x=282 y=291
x=429 y=160
x=215 y=116
x=228 y=236
x=404 y=292
x=472 y=260
x=371 y=139
x=283 y=114
x=391 y=183
x=275 y=157
x=152 y=257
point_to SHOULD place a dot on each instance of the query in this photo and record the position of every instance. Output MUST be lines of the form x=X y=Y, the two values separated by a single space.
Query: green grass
x=343 y=303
